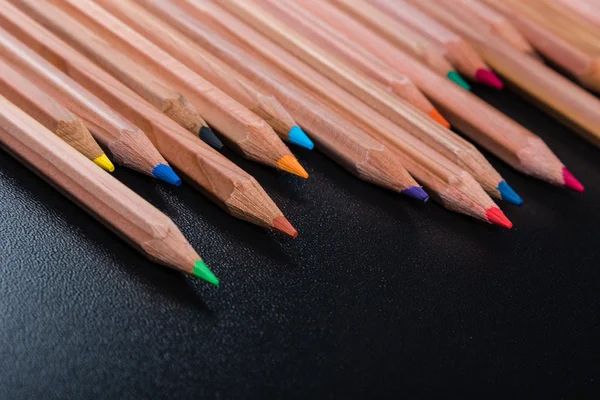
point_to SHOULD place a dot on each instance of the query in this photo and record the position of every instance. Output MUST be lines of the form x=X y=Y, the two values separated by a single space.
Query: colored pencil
x=102 y=196
x=128 y=145
x=585 y=9
x=136 y=76
x=557 y=95
x=485 y=125
x=456 y=50
x=229 y=186
x=361 y=155
x=447 y=183
x=439 y=138
x=210 y=68
x=576 y=62
x=245 y=131
x=496 y=24
x=346 y=51
x=62 y=122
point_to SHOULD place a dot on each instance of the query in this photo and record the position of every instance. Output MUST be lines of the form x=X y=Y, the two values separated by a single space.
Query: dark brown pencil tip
x=282 y=225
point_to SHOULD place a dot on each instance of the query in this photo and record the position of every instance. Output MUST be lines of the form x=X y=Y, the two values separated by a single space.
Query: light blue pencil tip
x=299 y=138
x=509 y=195
x=166 y=173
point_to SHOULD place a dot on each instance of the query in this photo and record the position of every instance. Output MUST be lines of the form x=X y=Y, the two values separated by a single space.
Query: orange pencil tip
x=282 y=225
x=290 y=164
x=496 y=216
x=437 y=117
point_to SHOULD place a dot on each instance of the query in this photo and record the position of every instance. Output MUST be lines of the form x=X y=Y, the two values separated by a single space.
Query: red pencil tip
x=283 y=225
x=495 y=216
x=488 y=78
x=571 y=182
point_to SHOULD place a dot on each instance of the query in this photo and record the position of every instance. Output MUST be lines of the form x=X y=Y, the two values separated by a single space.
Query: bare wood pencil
x=66 y=125
x=363 y=156
x=245 y=131
x=330 y=41
x=209 y=67
x=147 y=84
x=439 y=138
x=562 y=99
x=128 y=145
x=581 y=65
x=105 y=198
x=451 y=186
x=228 y=185
x=482 y=123
x=586 y=9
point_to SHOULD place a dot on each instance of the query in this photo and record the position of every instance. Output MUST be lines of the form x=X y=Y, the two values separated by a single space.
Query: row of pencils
x=376 y=84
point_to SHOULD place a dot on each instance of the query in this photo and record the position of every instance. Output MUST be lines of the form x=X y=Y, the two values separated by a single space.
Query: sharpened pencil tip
x=416 y=192
x=104 y=163
x=456 y=78
x=488 y=78
x=166 y=173
x=207 y=135
x=509 y=195
x=201 y=271
x=290 y=164
x=571 y=182
x=496 y=216
x=437 y=117
x=299 y=138
x=282 y=225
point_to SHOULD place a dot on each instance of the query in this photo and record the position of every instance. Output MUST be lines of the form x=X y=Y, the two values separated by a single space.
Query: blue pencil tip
x=416 y=192
x=166 y=173
x=299 y=138
x=509 y=195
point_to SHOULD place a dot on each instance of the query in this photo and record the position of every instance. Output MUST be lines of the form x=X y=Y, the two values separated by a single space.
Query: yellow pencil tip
x=290 y=164
x=104 y=163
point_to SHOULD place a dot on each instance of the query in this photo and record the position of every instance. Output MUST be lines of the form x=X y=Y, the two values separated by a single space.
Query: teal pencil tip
x=299 y=138
x=166 y=173
x=509 y=195
x=456 y=78
x=201 y=271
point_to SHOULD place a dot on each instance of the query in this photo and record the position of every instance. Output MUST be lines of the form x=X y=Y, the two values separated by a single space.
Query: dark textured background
x=378 y=296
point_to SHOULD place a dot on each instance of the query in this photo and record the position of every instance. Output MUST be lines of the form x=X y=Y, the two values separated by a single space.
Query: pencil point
x=207 y=135
x=104 y=163
x=290 y=164
x=416 y=192
x=488 y=78
x=571 y=182
x=282 y=225
x=299 y=138
x=201 y=271
x=509 y=195
x=496 y=216
x=166 y=173
x=437 y=117
x=456 y=78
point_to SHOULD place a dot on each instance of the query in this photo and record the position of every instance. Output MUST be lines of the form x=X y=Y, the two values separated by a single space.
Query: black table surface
x=378 y=296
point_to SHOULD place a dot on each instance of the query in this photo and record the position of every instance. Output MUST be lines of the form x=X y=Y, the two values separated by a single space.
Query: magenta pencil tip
x=571 y=182
x=488 y=78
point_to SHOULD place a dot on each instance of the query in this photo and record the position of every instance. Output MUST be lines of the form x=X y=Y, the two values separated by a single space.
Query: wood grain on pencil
x=128 y=145
x=98 y=193
x=246 y=132
x=136 y=76
x=47 y=111
x=482 y=123
x=228 y=185
x=557 y=95
x=209 y=67
x=344 y=143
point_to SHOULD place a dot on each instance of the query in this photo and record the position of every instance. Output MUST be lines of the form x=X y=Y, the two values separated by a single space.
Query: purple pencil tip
x=416 y=192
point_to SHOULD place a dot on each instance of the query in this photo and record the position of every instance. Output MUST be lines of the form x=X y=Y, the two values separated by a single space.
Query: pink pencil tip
x=571 y=182
x=488 y=78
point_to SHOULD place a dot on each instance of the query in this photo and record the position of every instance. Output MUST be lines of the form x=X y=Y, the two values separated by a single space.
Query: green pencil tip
x=201 y=271
x=456 y=78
